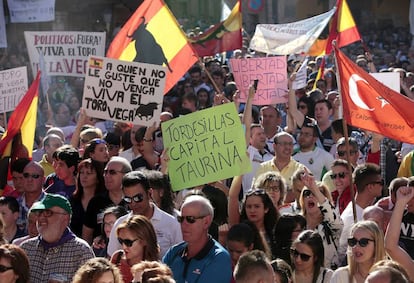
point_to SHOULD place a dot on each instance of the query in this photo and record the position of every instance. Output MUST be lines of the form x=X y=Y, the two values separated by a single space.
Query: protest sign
x=301 y=76
x=13 y=86
x=123 y=91
x=390 y=79
x=205 y=146
x=65 y=52
x=23 y=11
x=271 y=73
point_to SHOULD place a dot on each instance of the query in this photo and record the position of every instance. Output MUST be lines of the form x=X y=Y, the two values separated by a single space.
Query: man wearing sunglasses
x=56 y=251
x=369 y=184
x=199 y=258
x=138 y=196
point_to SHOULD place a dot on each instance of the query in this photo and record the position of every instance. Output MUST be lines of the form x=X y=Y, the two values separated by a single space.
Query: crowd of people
x=94 y=202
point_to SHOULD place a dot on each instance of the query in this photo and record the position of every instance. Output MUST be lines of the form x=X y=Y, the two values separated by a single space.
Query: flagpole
x=347 y=147
x=218 y=91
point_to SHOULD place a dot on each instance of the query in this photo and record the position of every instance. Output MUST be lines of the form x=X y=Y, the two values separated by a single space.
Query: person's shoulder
x=219 y=249
x=28 y=244
x=162 y=215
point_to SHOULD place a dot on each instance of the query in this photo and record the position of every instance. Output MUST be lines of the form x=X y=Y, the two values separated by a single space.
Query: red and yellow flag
x=370 y=105
x=343 y=28
x=152 y=35
x=221 y=37
x=23 y=120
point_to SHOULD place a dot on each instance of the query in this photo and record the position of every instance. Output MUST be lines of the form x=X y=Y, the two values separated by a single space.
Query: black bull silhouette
x=146 y=110
x=147 y=48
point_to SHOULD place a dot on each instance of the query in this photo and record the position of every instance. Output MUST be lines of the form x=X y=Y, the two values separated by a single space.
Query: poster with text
x=23 y=11
x=271 y=73
x=65 y=53
x=205 y=146
x=123 y=91
x=13 y=86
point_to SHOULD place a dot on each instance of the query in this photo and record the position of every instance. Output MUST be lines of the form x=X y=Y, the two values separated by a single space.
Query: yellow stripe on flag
x=346 y=20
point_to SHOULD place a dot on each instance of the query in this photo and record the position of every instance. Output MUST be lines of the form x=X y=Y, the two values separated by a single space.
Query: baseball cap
x=51 y=200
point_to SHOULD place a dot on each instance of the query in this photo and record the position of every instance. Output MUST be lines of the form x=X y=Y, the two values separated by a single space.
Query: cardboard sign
x=205 y=146
x=123 y=91
x=13 y=86
x=65 y=53
x=271 y=73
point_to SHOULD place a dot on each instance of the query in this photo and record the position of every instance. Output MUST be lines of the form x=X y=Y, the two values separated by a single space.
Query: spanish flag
x=224 y=36
x=152 y=35
x=22 y=120
x=343 y=28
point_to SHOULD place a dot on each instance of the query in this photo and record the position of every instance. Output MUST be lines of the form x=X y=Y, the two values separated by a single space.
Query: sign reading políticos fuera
x=123 y=91
x=205 y=146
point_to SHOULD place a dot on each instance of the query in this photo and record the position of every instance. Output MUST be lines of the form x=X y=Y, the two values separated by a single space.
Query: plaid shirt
x=58 y=262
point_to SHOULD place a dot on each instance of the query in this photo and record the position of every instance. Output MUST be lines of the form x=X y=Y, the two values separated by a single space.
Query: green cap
x=51 y=200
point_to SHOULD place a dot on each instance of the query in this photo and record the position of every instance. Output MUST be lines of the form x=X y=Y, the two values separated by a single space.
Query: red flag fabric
x=343 y=28
x=22 y=120
x=370 y=105
x=152 y=35
x=223 y=36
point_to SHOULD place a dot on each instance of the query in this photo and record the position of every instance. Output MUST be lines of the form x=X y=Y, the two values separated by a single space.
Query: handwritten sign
x=271 y=73
x=123 y=91
x=65 y=52
x=23 y=11
x=205 y=146
x=13 y=86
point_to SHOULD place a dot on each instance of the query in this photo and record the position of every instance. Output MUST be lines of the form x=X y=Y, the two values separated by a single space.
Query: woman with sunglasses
x=139 y=242
x=89 y=183
x=404 y=197
x=307 y=256
x=341 y=178
x=14 y=265
x=322 y=217
x=365 y=248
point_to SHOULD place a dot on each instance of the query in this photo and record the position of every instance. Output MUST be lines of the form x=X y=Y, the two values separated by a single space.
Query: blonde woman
x=365 y=248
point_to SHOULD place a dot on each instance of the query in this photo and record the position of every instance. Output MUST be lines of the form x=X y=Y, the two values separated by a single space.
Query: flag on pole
x=371 y=105
x=343 y=28
x=22 y=120
x=152 y=35
x=224 y=36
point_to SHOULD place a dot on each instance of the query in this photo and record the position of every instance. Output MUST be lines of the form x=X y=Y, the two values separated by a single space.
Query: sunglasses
x=28 y=175
x=136 y=198
x=307 y=193
x=4 y=268
x=112 y=172
x=189 y=219
x=363 y=242
x=340 y=175
x=47 y=213
x=255 y=192
x=303 y=257
x=127 y=242
x=342 y=153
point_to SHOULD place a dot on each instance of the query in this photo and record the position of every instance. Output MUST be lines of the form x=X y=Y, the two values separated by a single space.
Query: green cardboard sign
x=205 y=146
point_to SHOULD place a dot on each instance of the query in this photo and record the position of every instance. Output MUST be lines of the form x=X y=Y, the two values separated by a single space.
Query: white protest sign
x=390 y=79
x=301 y=76
x=23 y=11
x=65 y=52
x=13 y=86
x=123 y=91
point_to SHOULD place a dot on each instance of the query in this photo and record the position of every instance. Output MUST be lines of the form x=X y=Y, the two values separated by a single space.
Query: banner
x=205 y=146
x=124 y=91
x=13 y=86
x=3 y=36
x=271 y=73
x=291 y=38
x=65 y=52
x=23 y=11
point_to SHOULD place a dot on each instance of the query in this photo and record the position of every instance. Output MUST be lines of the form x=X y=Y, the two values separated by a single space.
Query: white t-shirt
x=347 y=217
x=255 y=159
x=318 y=161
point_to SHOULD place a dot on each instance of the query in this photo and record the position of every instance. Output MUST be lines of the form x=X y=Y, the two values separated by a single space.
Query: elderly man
x=138 y=195
x=199 y=258
x=56 y=252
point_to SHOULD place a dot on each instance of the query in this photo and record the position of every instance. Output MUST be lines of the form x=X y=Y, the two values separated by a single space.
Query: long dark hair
x=272 y=215
x=96 y=166
x=315 y=242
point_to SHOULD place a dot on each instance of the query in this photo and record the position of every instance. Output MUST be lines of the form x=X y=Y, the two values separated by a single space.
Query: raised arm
x=298 y=116
x=233 y=205
x=247 y=114
x=404 y=195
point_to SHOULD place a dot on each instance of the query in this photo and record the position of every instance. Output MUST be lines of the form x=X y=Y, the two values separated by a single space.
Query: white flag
x=290 y=38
